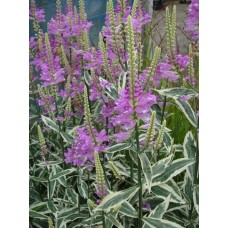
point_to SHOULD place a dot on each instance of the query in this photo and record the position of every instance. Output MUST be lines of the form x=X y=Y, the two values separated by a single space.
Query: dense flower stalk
x=100 y=181
x=159 y=139
x=115 y=170
x=151 y=130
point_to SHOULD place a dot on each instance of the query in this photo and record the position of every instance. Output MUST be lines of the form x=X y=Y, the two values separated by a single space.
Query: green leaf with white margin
x=64 y=213
x=196 y=197
x=190 y=151
x=83 y=189
x=119 y=147
x=128 y=210
x=177 y=92
x=67 y=137
x=62 y=180
x=51 y=189
x=122 y=80
x=113 y=220
x=115 y=198
x=87 y=77
x=160 y=166
x=146 y=168
x=38 y=179
x=185 y=107
x=170 y=188
x=50 y=123
x=175 y=168
x=34 y=214
x=61 y=174
x=159 y=211
x=72 y=196
x=160 y=223
x=52 y=207
x=39 y=207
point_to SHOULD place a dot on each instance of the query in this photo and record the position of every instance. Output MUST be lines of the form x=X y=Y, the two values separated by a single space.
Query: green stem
x=163 y=109
x=103 y=219
x=139 y=177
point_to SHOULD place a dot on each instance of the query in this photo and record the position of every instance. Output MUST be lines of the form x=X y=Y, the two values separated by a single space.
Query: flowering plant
x=101 y=143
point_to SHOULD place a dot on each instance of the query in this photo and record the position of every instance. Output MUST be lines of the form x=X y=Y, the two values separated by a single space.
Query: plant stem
x=139 y=177
x=163 y=109
x=103 y=219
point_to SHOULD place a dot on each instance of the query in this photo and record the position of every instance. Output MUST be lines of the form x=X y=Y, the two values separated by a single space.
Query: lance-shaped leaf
x=128 y=210
x=177 y=92
x=190 y=151
x=52 y=207
x=113 y=220
x=146 y=168
x=61 y=174
x=119 y=147
x=160 y=223
x=34 y=214
x=50 y=123
x=159 y=211
x=160 y=166
x=185 y=107
x=72 y=196
x=122 y=80
x=64 y=213
x=83 y=189
x=170 y=188
x=67 y=137
x=196 y=197
x=115 y=198
x=38 y=179
x=175 y=168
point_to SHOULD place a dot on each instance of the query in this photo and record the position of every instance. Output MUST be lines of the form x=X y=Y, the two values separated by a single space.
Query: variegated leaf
x=119 y=147
x=160 y=223
x=113 y=220
x=115 y=198
x=185 y=107
x=175 y=168
x=196 y=197
x=190 y=151
x=146 y=168
x=83 y=189
x=177 y=92
x=128 y=210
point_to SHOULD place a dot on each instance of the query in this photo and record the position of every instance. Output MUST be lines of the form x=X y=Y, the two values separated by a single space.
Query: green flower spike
x=115 y=170
x=88 y=115
x=65 y=60
x=91 y=204
x=159 y=139
x=151 y=129
x=50 y=223
x=132 y=58
x=99 y=175
x=42 y=140
x=83 y=16
x=68 y=108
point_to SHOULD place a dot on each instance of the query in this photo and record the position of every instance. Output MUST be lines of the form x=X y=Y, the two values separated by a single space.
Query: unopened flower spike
x=65 y=60
x=49 y=55
x=69 y=5
x=191 y=70
x=132 y=58
x=50 y=223
x=105 y=58
x=154 y=62
x=86 y=40
x=58 y=10
x=151 y=130
x=68 y=108
x=173 y=28
x=67 y=85
x=75 y=14
x=134 y=7
x=88 y=115
x=115 y=170
x=168 y=31
x=83 y=16
x=159 y=139
x=43 y=146
x=91 y=204
x=100 y=181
